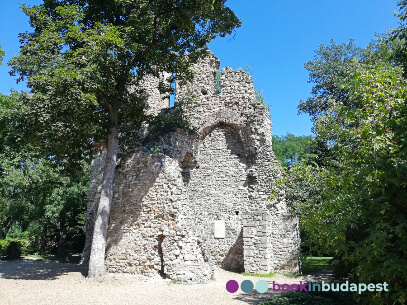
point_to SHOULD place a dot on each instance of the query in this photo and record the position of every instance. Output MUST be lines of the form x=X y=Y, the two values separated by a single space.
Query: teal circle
x=247 y=286
x=262 y=286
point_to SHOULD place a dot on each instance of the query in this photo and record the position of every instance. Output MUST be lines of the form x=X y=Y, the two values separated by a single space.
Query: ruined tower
x=200 y=198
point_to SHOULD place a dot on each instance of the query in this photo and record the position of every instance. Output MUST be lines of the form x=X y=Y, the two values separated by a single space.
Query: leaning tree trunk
x=97 y=254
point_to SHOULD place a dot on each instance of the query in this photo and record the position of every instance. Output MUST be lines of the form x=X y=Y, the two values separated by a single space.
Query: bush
x=11 y=249
x=3 y=245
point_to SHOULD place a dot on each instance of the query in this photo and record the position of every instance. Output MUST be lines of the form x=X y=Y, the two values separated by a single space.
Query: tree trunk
x=62 y=234
x=44 y=237
x=6 y=228
x=97 y=254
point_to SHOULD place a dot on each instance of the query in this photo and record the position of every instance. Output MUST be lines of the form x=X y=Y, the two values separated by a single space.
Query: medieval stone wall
x=216 y=190
x=202 y=201
x=149 y=87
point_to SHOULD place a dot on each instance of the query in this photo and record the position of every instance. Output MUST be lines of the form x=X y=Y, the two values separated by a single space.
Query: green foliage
x=371 y=163
x=312 y=264
x=11 y=249
x=168 y=120
x=3 y=245
x=33 y=196
x=156 y=148
x=260 y=98
x=83 y=56
x=36 y=192
x=2 y=53
x=290 y=149
x=218 y=76
x=334 y=65
x=359 y=113
x=303 y=191
x=400 y=34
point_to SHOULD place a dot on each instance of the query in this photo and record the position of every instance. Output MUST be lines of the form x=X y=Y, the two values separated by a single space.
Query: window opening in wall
x=172 y=95
x=251 y=180
x=217 y=76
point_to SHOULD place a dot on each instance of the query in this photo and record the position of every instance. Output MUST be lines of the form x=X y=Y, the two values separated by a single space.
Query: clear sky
x=275 y=40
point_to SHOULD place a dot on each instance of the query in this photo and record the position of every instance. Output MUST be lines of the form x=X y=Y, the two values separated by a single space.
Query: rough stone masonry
x=200 y=199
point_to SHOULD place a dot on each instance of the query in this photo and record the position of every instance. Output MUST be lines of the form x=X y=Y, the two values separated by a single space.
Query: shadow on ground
x=325 y=275
x=255 y=298
x=35 y=269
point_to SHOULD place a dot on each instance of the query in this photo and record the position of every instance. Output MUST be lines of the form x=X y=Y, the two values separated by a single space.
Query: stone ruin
x=203 y=200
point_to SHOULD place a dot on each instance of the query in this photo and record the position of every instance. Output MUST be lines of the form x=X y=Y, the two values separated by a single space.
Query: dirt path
x=29 y=281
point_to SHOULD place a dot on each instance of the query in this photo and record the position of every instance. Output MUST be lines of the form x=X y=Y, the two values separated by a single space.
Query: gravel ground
x=30 y=281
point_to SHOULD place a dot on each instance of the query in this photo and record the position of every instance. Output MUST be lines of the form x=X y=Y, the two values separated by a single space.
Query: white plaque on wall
x=219 y=229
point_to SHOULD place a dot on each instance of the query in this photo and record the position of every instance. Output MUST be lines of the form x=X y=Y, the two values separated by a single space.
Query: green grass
x=315 y=263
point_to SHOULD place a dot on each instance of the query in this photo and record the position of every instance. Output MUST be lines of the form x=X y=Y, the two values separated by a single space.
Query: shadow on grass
x=36 y=269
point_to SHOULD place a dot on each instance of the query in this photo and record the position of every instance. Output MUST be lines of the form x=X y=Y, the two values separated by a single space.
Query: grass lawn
x=315 y=263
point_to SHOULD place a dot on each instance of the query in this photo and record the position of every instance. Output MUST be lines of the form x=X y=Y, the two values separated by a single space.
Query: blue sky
x=275 y=40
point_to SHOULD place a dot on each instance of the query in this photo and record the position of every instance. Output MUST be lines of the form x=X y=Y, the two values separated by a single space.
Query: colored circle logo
x=262 y=286
x=232 y=286
x=247 y=286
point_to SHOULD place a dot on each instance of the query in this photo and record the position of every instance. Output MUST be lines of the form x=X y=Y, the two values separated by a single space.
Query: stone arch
x=243 y=132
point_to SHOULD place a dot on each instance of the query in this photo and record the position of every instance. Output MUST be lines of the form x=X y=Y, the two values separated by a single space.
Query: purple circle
x=232 y=286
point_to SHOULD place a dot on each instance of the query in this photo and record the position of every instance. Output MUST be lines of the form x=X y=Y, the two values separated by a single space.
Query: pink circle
x=232 y=286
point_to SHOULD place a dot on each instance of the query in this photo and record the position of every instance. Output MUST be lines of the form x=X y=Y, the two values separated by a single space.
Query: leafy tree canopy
x=334 y=66
x=39 y=199
x=84 y=55
x=359 y=113
x=290 y=149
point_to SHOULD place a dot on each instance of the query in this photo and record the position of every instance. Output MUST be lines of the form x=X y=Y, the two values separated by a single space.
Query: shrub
x=11 y=249
x=3 y=246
